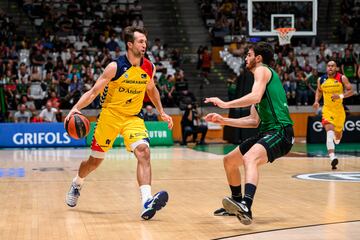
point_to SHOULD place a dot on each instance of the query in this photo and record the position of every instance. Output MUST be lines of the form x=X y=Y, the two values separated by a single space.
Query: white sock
x=332 y=156
x=330 y=136
x=145 y=191
x=78 y=180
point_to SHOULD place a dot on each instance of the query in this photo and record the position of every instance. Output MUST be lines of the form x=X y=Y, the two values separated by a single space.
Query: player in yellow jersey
x=122 y=86
x=334 y=87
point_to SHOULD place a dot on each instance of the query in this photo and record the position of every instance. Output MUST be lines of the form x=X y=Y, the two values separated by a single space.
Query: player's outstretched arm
x=154 y=96
x=251 y=121
x=99 y=86
x=261 y=77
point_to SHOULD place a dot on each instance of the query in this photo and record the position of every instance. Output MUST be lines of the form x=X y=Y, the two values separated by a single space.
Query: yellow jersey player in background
x=331 y=86
x=122 y=86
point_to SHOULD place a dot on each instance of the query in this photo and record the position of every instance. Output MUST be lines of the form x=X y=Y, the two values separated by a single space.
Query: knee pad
x=330 y=139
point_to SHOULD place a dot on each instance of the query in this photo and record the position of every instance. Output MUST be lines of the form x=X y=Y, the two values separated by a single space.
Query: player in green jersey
x=269 y=111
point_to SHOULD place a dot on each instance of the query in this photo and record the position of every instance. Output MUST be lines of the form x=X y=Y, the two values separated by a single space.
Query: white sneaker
x=154 y=204
x=73 y=195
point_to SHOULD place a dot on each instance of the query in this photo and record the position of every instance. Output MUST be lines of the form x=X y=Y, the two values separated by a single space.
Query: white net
x=285 y=35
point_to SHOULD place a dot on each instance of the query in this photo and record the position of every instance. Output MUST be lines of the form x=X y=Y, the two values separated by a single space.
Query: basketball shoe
x=73 y=195
x=222 y=212
x=154 y=204
x=334 y=162
x=242 y=212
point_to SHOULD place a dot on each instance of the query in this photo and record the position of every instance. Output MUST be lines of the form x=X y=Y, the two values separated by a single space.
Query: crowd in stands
x=349 y=26
x=300 y=67
x=223 y=18
x=77 y=40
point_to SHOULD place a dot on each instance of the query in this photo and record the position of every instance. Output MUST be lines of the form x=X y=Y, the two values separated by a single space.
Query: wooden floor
x=33 y=184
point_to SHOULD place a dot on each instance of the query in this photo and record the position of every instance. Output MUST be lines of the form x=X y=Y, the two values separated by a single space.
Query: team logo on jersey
x=331 y=176
x=143 y=76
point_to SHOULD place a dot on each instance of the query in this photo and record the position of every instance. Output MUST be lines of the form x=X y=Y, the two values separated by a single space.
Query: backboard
x=264 y=16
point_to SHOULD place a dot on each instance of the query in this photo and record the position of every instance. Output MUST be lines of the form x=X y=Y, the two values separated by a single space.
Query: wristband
x=341 y=96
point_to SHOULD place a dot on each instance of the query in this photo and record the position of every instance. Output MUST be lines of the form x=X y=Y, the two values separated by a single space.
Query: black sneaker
x=241 y=211
x=334 y=162
x=222 y=212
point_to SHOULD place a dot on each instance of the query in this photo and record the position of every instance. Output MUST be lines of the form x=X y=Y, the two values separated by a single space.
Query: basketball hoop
x=285 y=35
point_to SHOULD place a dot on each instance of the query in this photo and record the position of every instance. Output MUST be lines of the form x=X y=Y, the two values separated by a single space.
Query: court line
x=289 y=228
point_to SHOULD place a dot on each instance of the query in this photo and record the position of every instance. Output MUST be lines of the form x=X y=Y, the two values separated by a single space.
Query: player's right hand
x=215 y=118
x=72 y=111
x=316 y=105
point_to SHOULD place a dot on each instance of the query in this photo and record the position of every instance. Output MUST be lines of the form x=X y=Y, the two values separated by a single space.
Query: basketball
x=78 y=126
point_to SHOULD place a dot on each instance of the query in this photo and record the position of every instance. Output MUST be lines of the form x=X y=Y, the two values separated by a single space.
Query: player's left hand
x=216 y=101
x=215 y=118
x=167 y=119
x=335 y=96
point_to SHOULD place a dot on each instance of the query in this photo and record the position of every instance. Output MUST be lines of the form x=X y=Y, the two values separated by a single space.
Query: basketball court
x=33 y=184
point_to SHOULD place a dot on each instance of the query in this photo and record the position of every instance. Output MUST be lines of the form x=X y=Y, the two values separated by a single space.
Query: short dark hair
x=129 y=34
x=265 y=50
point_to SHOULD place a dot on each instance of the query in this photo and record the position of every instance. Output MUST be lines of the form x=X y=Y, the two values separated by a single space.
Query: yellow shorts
x=108 y=127
x=335 y=117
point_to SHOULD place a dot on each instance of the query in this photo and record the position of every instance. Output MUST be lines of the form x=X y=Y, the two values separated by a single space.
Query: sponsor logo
x=349 y=126
x=137 y=135
x=128 y=90
x=40 y=138
x=157 y=134
x=135 y=81
x=331 y=176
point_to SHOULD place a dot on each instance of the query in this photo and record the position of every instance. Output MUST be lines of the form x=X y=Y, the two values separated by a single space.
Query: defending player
x=331 y=86
x=269 y=109
x=123 y=85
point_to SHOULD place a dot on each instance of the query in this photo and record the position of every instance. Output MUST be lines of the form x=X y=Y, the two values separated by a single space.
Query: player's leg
x=136 y=140
x=256 y=156
x=232 y=162
x=330 y=138
x=270 y=147
x=104 y=136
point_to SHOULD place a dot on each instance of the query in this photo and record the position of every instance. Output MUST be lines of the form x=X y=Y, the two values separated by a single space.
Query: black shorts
x=277 y=142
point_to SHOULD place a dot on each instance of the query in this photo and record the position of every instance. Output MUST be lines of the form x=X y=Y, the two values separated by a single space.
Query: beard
x=137 y=53
x=251 y=64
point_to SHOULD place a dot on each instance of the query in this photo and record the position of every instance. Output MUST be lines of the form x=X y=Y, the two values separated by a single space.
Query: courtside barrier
x=36 y=135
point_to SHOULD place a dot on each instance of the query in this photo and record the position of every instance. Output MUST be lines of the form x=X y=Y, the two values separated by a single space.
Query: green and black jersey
x=273 y=108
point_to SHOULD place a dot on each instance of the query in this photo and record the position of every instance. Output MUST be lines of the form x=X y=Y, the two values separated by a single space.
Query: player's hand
x=335 y=96
x=215 y=118
x=216 y=101
x=316 y=105
x=167 y=119
x=72 y=111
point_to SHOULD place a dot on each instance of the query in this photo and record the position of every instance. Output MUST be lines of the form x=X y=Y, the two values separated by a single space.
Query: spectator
x=231 y=86
x=149 y=114
x=22 y=116
x=191 y=124
x=48 y=114
x=205 y=64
